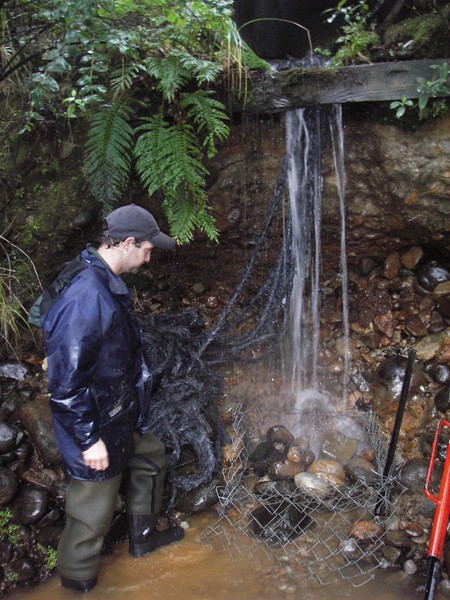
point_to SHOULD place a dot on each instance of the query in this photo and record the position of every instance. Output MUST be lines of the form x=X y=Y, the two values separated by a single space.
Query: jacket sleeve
x=74 y=330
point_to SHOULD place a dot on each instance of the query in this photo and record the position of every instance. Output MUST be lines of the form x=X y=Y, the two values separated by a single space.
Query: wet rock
x=37 y=420
x=308 y=457
x=441 y=290
x=6 y=551
x=9 y=484
x=366 y=531
x=384 y=324
x=444 y=307
x=8 y=437
x=312 y=485
x=24 y=568
x=338 y=447
x=328 y=470
x=198 y=289
x=392 y=265
x=413 y=475
x=280 y=437
x=49 y=536
x=398 y=539
x=29 y=506
x=391 y=554
x=199 y=499
x=10 y=370
x=431 y=273
x=263 y=456
x=442 y=399
x=389 y=378
x=362 y=470
x=285 y=469
x=412 y=529
x=231 y=451
x=411 y=257
x=278 y=524
x=409 y=567
x=414 y=326
x=367 y=265
x=294 y=454
x=350 y=549
x=40 y=478
x=429 y=348
x=440 y=373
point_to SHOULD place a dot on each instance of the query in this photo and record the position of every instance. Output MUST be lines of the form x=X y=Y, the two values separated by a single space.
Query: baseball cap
x=135 y=221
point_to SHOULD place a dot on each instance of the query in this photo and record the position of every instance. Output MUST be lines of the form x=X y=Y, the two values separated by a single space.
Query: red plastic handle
x=443 y=423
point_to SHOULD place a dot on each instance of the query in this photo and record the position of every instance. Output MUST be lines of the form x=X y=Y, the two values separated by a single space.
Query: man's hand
x=96 y=457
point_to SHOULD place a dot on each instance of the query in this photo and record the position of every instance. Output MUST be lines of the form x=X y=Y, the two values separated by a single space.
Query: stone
x=392 y=265
x=431 y=273
x=391 y=554
x=441 y=290
x=444 y=307
x=312 y=485
x=9 y=485
x=409 y=567
x=411 y=257
x=8 y=438
x=414 y=326
x=413 y=475
x=366 y=531
x=295 y=454
x=429 y=347
x=285 y=469
x=337 y=446
x=322 y=467
x=362 y=470
x=398 y=539
x=279 y=523
x=442 y=399
x=29 y=506
x=263 y=456
x=280 y=437
x=11 y=370
x=384 y=324
x=198 y=499
x=440 y=373
x=37 y=420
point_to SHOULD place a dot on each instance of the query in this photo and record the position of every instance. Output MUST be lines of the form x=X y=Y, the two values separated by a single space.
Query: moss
x=419 y=30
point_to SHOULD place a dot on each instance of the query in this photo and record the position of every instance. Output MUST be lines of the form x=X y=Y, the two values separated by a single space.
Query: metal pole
x=397 y=425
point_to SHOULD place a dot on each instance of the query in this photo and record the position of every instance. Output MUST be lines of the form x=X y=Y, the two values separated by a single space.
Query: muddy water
x=201 y=568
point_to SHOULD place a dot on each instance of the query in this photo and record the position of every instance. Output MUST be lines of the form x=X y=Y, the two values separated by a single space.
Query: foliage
x=50 y=556
x=416 y=31
x=12 y=312
x=7 y=528
x=358 y=34
x=428 y=90
x=119 y=63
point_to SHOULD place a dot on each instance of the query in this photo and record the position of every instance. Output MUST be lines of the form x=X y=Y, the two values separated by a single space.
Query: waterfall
x=305 y=132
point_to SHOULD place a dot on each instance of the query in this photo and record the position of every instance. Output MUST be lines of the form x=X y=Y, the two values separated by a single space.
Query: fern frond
x=168 y=156
x=169 y=159
x=169 y=73
x=205 y=71
x=108 y=153
x=209 y=115
x=123 y=78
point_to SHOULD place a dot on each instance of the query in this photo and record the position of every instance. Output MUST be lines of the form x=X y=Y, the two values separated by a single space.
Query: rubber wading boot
x=79 y=585
x=144 y=538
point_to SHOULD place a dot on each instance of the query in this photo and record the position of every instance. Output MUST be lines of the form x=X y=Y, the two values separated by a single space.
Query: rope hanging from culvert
x=182 y=354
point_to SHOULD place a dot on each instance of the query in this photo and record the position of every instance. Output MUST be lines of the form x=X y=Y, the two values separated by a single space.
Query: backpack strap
x=47 y=299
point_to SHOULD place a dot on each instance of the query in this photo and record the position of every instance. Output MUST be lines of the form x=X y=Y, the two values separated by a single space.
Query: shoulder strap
x=47 y=299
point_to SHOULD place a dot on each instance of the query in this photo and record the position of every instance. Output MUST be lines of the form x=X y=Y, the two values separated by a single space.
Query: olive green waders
x=90 y=508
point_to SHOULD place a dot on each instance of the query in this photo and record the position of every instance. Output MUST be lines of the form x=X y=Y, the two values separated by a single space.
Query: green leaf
x=108 y=153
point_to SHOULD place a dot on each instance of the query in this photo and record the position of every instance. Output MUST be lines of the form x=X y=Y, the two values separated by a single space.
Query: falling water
x=306 y=129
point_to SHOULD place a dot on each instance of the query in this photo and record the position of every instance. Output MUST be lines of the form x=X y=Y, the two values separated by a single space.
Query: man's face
x=138 y=256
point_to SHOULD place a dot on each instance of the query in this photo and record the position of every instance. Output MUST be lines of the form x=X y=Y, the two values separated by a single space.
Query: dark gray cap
x=134 y=221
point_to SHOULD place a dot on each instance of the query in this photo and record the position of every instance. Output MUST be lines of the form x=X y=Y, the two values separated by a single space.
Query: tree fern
x=108 y=153
x=169 y=158
x=208 y=114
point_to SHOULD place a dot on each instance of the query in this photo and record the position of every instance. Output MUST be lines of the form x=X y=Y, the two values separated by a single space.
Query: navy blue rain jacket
x=97 y=376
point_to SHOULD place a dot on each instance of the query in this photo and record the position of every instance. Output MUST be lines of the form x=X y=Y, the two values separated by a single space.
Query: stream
x=200 y=567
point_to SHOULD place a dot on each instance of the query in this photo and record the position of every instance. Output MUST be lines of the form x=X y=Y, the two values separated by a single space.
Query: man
x=100 y=387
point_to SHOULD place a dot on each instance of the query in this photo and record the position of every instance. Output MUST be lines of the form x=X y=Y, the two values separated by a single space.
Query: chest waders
x=90 y=508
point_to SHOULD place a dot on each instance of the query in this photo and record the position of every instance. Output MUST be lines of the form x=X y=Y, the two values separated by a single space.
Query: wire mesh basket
x=335 y=535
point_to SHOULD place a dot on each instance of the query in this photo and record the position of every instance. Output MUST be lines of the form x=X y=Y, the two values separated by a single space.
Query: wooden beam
x=295 y=88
